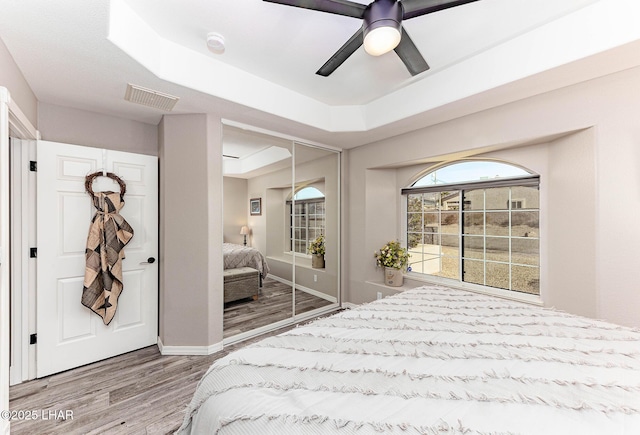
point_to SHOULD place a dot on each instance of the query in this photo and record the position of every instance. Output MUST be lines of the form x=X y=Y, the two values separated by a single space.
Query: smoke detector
x=215 y=42
x=149 y=97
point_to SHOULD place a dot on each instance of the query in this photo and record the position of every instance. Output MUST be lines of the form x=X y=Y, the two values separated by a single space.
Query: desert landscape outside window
x=476 y=222
x=306 y=218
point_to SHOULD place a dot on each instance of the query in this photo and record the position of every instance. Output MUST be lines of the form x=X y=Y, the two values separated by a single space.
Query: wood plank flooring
x=274 y=304
x=141 y=392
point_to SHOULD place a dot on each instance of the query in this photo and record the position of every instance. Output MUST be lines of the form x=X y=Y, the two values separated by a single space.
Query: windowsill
x=287 y=257
x=297 y=255
x=412 y=281
x=475 y=288
x=402 y=288
x=301 y=261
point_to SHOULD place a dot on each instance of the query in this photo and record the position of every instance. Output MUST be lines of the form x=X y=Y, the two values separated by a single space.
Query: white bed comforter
x=432 y=360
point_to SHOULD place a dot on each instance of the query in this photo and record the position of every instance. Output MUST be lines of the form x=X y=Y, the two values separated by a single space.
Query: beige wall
x=236 y=209
x=269 y=229
x=272 y=188
x=80 y=127
x=11 y=78
x=590 y=189
x=570 y=254
x=191 y=230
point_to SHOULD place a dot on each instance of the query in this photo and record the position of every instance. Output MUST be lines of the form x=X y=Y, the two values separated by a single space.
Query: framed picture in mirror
x=255 y=206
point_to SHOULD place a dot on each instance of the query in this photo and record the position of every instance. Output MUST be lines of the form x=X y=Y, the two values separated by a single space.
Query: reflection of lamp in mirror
x=244 y=231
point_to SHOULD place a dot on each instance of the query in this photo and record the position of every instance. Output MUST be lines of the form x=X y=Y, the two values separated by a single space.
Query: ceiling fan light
x=381 y=40
x=382 y=24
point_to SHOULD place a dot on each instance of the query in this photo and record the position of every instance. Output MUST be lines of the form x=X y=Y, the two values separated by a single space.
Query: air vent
x=149 y=97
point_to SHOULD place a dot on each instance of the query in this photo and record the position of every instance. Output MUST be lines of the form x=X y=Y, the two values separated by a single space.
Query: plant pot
x=393 y=277
x=317 y=261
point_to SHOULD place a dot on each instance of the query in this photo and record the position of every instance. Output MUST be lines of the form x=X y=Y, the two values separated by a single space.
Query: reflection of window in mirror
x=306 y=218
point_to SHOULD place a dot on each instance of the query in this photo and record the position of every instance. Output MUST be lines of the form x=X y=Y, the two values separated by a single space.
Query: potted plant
x=394 y=258
x=316 y=249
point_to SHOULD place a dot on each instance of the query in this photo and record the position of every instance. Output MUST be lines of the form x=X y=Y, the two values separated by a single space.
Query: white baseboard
x=189 y=350
x=282 y=280
x=318 y=294
x=258 y=331
x=308 y=290
x=348 y=305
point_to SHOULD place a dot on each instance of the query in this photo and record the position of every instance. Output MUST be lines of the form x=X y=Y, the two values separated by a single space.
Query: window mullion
x=510 y=239
x=306 y=234
x=440 y=253
x=422 y=234
x=460 y=238
x=484 y=236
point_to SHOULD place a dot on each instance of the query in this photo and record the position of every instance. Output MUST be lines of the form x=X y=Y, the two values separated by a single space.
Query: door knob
x=150 y=260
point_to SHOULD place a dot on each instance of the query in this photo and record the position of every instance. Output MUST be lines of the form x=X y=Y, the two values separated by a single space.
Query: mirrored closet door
x=315 y=227
x=281 y=231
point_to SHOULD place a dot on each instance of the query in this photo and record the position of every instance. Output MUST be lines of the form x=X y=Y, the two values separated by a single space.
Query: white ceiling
x=248 y=153
x=286 y=45
x=82 y=54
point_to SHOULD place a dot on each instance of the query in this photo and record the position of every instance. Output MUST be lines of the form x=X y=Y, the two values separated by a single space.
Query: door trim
x=22 y=267
x=14 y=122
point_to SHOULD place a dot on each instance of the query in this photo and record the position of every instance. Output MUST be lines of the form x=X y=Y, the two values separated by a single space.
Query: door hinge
x=33 y=338
x=33 y=252
x=33 y=166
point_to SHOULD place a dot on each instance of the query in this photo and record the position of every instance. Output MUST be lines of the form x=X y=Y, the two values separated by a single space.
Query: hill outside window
x=466 y=225
x=306 y=219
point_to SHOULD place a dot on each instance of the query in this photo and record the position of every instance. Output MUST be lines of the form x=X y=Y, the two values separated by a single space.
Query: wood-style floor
x=141 y=392
x=274 y=304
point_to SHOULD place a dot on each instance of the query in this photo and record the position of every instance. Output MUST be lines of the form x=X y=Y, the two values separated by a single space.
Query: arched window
x=306 y=218
x=308 y=193
x=470 y=171
x=476 y=222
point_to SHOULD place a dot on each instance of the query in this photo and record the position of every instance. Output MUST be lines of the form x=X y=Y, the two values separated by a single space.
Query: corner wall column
x=190 y=148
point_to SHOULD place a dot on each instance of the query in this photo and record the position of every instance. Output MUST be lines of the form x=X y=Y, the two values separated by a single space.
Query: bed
x=237 y=256
x=431 y=360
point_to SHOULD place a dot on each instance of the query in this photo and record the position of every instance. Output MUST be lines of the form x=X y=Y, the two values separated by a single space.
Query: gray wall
x=590 y=186
x=191 y=230
x=11 y=78
x=80 y=127
x=269 y=228
x=236 y=209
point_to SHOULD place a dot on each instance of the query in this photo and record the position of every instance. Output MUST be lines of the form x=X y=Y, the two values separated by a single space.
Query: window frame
x=291 y=223
x=524 y=181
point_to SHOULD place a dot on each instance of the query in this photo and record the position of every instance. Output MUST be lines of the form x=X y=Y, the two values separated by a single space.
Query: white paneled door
x=69 y=334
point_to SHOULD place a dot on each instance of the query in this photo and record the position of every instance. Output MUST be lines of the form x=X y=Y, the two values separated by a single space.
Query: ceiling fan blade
x=410 y=56
x=415 y=8
x=339 y=7
x=342 y=54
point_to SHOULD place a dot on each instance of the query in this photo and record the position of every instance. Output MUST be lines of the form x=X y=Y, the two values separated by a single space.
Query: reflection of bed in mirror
x=260 y=171
x=237 y=256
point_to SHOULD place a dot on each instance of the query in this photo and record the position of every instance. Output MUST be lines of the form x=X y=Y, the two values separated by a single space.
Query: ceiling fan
x=381 y=29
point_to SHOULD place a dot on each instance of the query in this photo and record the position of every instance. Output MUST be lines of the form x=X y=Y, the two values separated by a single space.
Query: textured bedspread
x=429 y=361
x=236 y=256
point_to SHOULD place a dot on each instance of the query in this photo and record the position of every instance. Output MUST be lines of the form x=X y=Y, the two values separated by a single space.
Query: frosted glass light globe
x=381 y=40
